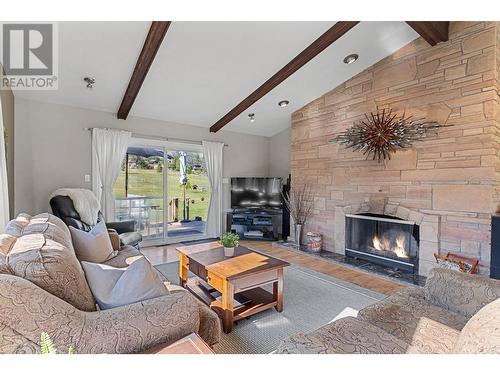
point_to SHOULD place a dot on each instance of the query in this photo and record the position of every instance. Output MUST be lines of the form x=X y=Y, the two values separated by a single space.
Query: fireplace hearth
x=384 y=240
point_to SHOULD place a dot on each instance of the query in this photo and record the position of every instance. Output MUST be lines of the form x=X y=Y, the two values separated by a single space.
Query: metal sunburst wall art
x=383 y=133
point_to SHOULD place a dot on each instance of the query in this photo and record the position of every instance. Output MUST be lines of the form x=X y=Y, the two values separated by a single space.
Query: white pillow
x=94 y=246
x=113 y=287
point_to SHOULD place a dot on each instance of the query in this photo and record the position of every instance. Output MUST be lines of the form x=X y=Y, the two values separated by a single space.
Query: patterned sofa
x=43 y=289
x=453 y=313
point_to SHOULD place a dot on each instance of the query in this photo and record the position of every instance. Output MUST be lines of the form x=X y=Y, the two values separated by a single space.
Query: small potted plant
x=229 y=240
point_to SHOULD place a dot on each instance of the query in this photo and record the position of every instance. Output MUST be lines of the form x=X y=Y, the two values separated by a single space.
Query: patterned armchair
x=453 y=313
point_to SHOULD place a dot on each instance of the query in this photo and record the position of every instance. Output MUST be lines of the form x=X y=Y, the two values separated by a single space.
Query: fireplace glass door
x=383 y=239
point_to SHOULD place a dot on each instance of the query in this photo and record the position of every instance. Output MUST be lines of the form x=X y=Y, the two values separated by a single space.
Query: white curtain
x=4 y=187
x=108 y=150
x=212 y=152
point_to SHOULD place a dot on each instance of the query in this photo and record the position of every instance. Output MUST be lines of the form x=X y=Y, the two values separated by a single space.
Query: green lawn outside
x=148 y=182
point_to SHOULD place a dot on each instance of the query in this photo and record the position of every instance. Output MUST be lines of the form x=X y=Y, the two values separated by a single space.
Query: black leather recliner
x=62 y=206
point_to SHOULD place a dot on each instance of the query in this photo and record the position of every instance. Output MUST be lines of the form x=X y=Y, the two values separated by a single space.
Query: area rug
x=311 y=300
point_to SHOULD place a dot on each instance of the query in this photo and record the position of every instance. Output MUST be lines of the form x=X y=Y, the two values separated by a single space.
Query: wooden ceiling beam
x=320 y=44
x=432 y=31
x=151 y=45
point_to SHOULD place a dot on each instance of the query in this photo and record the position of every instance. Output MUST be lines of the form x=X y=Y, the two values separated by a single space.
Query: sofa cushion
x=129 y=255
x=49 y=265
x=481 y=334
x=49 y=225
x=93 y=246
x=345 y=336
x=114 y=287
x=408 y=316
x=459 y=292
x=433 y=337
x=125 y=257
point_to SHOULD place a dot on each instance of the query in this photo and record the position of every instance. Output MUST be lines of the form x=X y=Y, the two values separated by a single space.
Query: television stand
x=255 y=225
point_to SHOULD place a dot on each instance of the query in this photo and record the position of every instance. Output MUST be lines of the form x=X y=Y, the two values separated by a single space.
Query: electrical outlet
x=87 y=178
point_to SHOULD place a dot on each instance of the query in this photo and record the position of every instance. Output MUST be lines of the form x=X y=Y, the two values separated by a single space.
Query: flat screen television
x=256 y=193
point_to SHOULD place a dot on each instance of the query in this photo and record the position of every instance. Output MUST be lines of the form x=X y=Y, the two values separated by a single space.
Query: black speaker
x=285 y=222
x=495 y=247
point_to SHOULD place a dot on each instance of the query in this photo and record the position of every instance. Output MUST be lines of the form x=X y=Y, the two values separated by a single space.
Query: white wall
x=52 y=149
x=279 y=154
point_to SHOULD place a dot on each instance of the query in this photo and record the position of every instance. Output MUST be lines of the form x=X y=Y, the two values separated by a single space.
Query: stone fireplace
x=447 y=184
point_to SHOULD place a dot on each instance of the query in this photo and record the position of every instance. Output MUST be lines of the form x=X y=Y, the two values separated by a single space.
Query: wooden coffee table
x=232 y=286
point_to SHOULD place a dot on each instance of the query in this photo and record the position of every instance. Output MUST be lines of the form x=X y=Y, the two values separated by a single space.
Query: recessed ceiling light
x=252 y=117
x=283 y=103
x=349 y=59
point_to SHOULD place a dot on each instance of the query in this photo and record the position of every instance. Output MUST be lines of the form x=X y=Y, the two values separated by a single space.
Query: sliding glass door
x=188 y=194
x=139 y=190
x=163 y=187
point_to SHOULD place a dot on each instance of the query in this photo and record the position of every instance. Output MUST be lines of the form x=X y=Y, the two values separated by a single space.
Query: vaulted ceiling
x=203 y=69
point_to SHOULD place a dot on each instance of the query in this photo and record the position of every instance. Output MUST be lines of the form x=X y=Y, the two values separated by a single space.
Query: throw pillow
x=481 y=334
x=94 y=246
x=113 y=287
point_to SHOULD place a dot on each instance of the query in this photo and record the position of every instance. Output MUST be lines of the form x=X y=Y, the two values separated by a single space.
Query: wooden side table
x=190 y=344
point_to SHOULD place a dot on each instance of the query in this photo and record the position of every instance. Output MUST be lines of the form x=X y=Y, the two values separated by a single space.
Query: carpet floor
x=311 y=300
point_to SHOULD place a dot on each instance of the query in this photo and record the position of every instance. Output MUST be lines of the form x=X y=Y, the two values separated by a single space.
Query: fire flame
x=385 y=245
x=400 y=247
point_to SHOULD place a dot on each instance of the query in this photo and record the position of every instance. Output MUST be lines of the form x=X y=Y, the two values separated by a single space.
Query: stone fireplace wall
x=452 y=179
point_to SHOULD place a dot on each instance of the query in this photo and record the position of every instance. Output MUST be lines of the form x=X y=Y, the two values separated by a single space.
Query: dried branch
x=299 y=202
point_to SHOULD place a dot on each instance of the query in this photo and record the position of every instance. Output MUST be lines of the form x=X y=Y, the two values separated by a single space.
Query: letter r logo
x=27 y=49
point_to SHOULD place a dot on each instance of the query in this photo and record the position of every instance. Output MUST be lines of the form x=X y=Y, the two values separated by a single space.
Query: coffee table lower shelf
x=259 y=300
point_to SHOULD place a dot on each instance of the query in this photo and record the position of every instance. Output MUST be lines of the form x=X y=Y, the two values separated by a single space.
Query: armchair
x=62 y=206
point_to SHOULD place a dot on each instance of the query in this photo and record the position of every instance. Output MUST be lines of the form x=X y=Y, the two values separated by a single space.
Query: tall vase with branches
x=299 y=202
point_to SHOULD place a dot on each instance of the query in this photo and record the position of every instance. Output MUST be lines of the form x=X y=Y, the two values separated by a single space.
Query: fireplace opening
x=384 y=240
